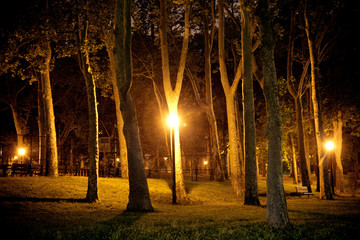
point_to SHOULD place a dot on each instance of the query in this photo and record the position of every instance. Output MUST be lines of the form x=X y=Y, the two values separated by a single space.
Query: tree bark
x=42 y=128
x=51 y=145
x=277 y=213
x=295 y=175
x=251 y=186
x=119 y=118
x=139 y=197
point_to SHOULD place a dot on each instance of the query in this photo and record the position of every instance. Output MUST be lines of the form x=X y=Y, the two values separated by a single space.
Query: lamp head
x=21 y=151
x=173 y=120
x=329 y=145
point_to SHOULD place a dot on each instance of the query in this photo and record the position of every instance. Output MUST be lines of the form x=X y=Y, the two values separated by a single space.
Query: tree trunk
x=296 y=94
x=119 y=117
x=216 y=167
x=51 y=145
x=235 y=172
x=325 y=190
x=172 y=94
x=277 y=213
x=139 y=197
x=305 y=176
x=339 y=174
x=20 y=127
x=295 y=175
x=93 y=148
x=251 y=186
x=42 y=128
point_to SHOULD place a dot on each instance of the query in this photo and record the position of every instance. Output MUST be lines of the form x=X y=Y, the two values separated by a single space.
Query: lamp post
x=21 y=152
x=329 y=145
x=173 y=122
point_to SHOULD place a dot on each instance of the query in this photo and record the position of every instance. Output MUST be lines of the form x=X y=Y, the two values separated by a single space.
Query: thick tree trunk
x=235 y=173
x=119 y=118
x=251 y=186
x=139 y=197
x=325 y=190
x=277 y=213
x=51 y=145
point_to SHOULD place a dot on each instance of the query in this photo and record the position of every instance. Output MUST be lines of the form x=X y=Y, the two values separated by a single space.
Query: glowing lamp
x=173 y=120
x=329 y=145
x=21 y=151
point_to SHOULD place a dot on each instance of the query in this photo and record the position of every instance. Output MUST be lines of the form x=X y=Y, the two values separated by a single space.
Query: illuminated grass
x=53 y=208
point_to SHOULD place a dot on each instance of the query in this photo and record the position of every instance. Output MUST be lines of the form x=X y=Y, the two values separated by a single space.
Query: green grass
x=53 y=208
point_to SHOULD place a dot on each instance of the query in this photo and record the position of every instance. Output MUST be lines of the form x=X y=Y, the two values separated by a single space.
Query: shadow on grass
x=34 y=199
x=121 y=226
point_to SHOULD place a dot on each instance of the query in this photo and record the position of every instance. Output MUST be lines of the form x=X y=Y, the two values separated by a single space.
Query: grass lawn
x=53 y=208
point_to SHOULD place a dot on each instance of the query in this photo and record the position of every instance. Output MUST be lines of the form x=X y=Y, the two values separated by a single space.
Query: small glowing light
x=117 y=159
x=21 y=151
x=16 y=157
x=329 y=145
x=173 y=120
x=205 y=162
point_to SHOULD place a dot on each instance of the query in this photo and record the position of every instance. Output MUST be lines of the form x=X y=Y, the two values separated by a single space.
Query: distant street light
x=329 y=145
x=173 y=122
x=21 y=152
x=205 y=164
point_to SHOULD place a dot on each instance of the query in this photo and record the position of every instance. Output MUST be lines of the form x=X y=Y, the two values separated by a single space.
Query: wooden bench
x=303 y=190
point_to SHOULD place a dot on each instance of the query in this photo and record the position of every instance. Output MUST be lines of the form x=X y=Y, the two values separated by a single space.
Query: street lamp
x=329 y=145
x=21 y=152
x=173 y=121
x=205 y=165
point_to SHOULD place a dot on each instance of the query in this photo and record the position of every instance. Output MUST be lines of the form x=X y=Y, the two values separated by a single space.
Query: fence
x=72 y=159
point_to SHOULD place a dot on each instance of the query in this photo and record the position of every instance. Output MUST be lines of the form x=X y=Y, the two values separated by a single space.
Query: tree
x=172 y=94
x=51 y=149
x=84 y=63
x=139 y=197
x=297 y=93
x=236 y=175
x=325 y=191
x=251 y=187
x=109 y=39
x=206 y=103
x=276 y=203
x=29 y=47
